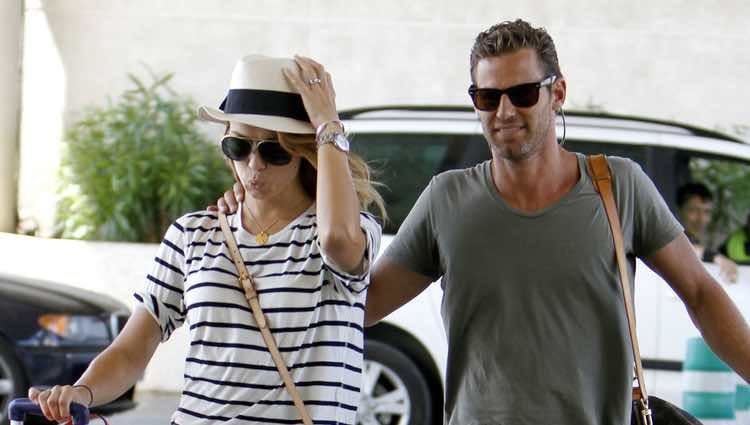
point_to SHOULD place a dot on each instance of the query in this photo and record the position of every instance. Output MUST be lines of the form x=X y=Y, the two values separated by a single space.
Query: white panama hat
x=259 y=95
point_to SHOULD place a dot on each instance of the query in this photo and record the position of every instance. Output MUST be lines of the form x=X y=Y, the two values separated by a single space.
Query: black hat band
x=265 y=102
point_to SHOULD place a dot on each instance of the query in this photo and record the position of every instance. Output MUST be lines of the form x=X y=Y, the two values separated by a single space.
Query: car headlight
x=66 y=330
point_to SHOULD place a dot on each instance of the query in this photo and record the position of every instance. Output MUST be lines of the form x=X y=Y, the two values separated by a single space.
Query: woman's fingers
x=67 y=396
x=310 y=69
x=315 y=85
x=54 y=402
x=42 y=400
x=329 y=80
x=34 y=394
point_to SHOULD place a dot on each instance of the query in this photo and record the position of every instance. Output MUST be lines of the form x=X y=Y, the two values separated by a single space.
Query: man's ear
x=559 y=90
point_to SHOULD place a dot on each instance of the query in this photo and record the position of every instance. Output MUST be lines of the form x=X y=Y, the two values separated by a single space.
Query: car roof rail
x=373 y=112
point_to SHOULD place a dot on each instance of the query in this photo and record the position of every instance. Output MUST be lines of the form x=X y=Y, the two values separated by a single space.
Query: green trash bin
x=742 y=403
x=709 y=385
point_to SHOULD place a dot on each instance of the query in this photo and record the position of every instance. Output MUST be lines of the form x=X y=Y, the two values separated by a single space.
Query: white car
x=406 y=352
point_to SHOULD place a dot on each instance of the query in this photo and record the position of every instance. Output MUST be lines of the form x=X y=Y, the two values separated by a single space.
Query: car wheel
x=394 y=391
x=13 y=382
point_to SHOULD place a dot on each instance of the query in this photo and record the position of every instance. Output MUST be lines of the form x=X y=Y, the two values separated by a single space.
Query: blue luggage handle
x=20 y=407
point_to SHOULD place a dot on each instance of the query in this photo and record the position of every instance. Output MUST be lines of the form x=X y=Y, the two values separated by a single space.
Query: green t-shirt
x=532 y=306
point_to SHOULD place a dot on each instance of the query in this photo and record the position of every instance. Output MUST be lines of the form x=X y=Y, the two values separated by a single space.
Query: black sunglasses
x=239 y=148
x=521 y=96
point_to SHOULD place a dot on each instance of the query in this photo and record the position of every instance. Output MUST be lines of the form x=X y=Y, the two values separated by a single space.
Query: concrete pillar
x=11 y=18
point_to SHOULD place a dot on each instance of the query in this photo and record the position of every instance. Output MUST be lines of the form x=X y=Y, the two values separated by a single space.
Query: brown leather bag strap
x=251 y=294
x=601 y=176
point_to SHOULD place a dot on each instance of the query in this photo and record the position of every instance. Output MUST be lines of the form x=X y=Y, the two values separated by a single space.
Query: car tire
x=13 y=382
x=388 y=372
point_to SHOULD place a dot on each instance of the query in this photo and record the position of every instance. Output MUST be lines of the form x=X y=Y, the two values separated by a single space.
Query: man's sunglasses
x=521 y=96
x=239 y=148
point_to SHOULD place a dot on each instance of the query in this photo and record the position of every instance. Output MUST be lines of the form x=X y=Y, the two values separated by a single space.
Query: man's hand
x=230 y=201
x=727 y=268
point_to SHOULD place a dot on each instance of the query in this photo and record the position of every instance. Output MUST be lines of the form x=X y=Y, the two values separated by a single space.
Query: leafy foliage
x=130 y=168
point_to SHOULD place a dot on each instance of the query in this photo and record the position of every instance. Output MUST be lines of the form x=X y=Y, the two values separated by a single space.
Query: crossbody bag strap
x=601 y=176
x=251 y=294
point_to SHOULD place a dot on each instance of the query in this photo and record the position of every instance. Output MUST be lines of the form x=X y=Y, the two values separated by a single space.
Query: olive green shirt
x=532 y=306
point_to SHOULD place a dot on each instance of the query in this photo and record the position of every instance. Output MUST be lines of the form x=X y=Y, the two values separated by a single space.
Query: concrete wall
x=670 y=59
x=11 y=18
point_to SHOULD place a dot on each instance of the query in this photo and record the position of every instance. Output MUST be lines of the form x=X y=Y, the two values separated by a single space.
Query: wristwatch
x=338 y=140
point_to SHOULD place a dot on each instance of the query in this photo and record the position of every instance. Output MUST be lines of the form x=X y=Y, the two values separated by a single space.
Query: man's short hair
x=508 y=37
x=689 y=190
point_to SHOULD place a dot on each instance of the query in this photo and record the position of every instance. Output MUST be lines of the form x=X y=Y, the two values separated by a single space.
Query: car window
x=637 y=153
x=729 y=181
x=405 y=163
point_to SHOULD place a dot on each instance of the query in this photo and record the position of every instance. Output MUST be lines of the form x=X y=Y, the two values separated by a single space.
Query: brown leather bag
x=646 y=410
x=246 y=281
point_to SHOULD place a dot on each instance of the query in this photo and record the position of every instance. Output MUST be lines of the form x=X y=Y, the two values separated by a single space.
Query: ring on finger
x=313 y=81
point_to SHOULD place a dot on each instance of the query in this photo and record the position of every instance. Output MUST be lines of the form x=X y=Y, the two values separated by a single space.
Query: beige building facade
x=686 y=61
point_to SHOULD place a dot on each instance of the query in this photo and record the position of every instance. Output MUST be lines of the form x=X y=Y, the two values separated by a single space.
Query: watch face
x=341 y=142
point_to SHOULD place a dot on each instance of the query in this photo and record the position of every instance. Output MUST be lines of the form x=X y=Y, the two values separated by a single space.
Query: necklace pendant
x=261 y=238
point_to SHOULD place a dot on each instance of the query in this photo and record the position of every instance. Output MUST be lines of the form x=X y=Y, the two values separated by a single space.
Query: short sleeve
x=162 y=292
x=358 y=282
x=415 y=245
x=655 y=225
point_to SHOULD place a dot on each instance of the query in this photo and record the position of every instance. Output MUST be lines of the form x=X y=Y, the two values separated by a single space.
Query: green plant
x=130 y=168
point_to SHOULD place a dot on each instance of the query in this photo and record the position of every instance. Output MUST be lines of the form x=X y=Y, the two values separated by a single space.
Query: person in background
x=696 y=206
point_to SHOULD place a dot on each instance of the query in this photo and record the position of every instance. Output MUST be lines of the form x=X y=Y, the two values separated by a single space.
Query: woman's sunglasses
x=521 y=96
x=239 y=148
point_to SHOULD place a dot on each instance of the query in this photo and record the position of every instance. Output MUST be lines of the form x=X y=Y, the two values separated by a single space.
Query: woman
x=302 y=236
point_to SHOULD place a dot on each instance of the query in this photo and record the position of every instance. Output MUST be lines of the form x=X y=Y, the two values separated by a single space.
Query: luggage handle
x=21 y=407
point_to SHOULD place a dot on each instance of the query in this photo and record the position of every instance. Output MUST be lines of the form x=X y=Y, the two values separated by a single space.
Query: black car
x=49 y=333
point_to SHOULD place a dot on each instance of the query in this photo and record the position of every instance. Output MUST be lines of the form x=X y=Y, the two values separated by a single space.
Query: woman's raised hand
x=315 y=86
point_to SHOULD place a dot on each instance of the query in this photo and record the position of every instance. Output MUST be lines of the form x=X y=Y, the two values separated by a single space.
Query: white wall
x=669 y=59
x=10 y=87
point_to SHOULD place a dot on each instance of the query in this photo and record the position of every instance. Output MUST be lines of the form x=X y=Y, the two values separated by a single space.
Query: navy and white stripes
x=314 y=310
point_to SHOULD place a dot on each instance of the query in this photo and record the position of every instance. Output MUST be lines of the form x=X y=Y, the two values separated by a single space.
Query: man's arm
x=391 y=286
x=712 y=311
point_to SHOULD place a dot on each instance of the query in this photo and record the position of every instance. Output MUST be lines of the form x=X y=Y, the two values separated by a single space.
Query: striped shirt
x=314 y=310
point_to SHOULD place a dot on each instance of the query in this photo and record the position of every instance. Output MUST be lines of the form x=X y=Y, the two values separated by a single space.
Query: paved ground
x=153 y=408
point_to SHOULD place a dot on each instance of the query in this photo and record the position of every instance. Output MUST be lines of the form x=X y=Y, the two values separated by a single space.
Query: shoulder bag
x=646 y=410
x=246 y=281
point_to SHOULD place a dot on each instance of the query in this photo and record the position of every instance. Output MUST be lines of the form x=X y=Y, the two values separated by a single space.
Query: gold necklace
x=262 y=236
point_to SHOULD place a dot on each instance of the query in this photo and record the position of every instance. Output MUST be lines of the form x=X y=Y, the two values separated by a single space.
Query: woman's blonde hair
x=304 y=145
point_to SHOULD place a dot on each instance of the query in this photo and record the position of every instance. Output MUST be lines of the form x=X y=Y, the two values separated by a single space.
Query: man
x=696 y=206
x=536 y=330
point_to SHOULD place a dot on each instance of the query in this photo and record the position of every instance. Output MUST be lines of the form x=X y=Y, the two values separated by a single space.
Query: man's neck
x=538 y=181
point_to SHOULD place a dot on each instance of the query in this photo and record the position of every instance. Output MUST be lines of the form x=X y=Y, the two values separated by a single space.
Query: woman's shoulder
x=198 y=222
